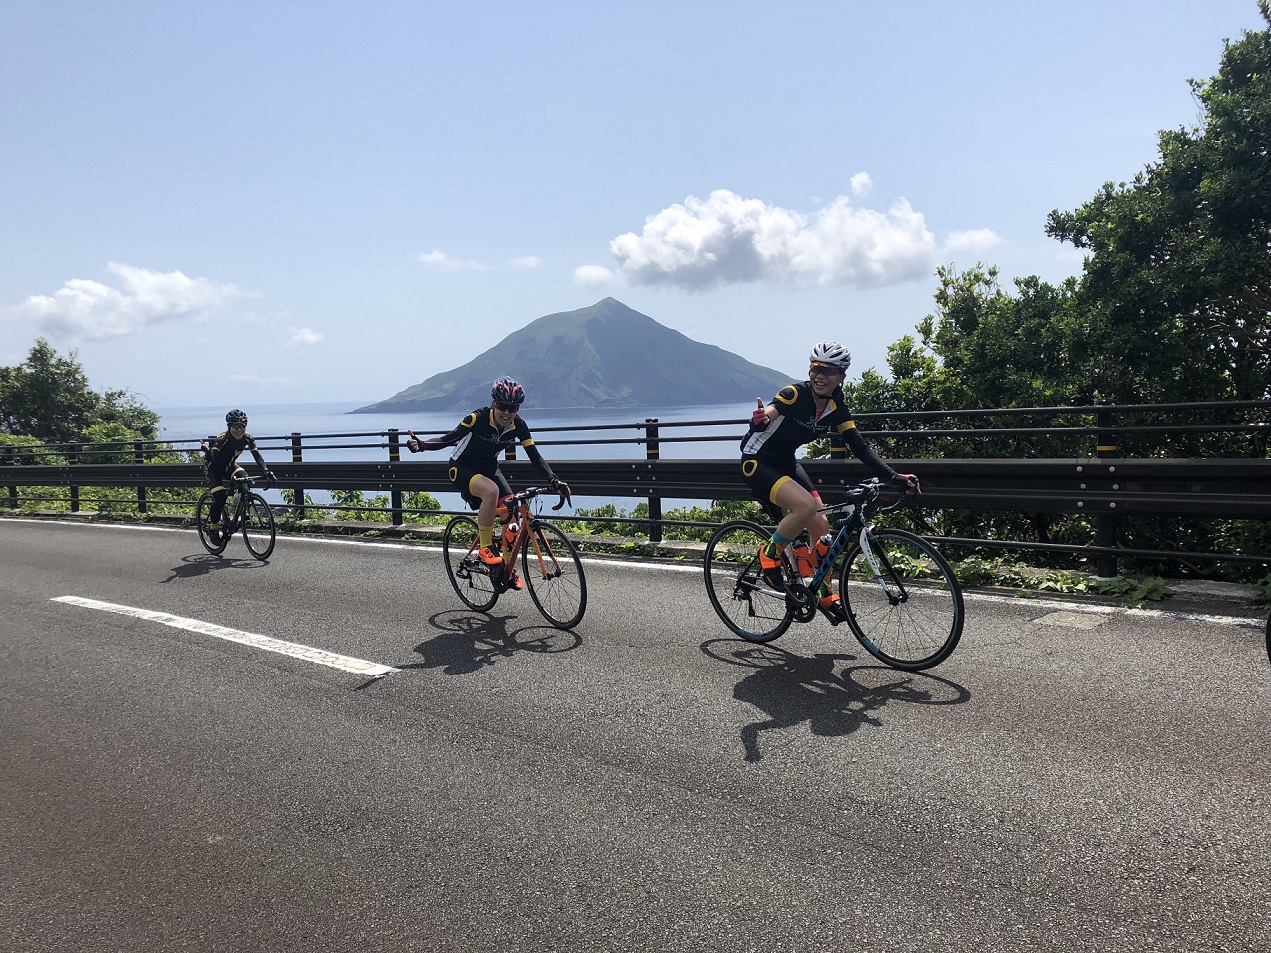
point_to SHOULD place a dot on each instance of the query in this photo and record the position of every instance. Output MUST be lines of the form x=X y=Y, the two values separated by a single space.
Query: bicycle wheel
x=259 y=531
x=201 y=520
x=735 y=584
x=913 y=623
x=554 y=575
x=464 y=568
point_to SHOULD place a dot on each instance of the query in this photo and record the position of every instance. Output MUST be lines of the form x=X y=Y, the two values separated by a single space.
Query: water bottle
x=803 y=559
x=509 y=535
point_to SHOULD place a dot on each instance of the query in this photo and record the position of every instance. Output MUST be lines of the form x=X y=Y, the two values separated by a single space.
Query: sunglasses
x=823 y=370
x=506 y=408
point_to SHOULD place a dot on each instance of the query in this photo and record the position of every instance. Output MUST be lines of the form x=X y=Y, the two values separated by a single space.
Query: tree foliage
x=1178 y=276
x=47 y=397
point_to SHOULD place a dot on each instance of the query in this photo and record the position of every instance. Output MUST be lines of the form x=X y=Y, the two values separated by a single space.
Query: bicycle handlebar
x=530 y=492
x=862 y=494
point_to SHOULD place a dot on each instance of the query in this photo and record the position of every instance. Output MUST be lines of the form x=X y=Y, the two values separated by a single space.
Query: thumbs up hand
x=759 y=417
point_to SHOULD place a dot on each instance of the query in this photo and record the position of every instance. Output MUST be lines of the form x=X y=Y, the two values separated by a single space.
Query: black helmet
x=507 y=391
x=236 y=417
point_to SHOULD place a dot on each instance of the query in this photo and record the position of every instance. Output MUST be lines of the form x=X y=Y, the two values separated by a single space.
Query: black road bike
x=897 y=593
x=244 y=509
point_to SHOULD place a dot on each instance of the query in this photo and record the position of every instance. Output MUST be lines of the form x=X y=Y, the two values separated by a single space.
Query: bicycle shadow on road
x=467 y=642
x=792 y=689
x=200 y=564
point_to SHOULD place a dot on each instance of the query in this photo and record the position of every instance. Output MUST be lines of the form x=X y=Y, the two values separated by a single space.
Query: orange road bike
x=550 y=566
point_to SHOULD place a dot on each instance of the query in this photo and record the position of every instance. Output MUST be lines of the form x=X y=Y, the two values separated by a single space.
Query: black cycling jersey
x=223 y=455
x=797 y=423
x=768 y=453
x=478 y=440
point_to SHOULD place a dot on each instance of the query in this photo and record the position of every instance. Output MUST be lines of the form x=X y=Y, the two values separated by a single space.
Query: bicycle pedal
x=835 y=616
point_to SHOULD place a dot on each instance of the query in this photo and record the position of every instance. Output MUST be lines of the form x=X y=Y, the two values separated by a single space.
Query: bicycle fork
x=900 y=595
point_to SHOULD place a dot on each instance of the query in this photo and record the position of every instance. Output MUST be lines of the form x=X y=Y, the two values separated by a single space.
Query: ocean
x=323 y=426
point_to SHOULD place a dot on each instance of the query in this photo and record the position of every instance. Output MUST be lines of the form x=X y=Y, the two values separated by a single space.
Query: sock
x=777 y=544
x=485 y=534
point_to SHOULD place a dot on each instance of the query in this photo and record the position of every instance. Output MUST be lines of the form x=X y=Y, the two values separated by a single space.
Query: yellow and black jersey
x=478 y=440
x=224 y=452
x=797 y=423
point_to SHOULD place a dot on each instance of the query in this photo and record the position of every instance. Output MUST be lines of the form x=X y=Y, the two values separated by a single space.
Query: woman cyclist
x=220 y=465
x=474 y=463
x=799 y=414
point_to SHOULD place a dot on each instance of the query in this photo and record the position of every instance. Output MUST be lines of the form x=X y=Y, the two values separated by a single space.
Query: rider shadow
x=792 y=689
x=203 y=563
x=467 y=643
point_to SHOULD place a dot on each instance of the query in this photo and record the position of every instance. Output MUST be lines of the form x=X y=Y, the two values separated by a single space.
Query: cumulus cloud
x=726 y=238
x=88 y=309
x=976 y=241
x=302 y=336
x=861 y=183
x=592 y=276
x=443 y=262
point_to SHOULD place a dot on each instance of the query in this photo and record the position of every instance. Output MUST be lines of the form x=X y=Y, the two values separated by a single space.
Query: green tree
x=48 y=397
x=1178 y=275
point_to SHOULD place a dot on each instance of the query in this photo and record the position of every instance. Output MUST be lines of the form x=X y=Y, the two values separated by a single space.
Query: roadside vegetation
x=1173 y=305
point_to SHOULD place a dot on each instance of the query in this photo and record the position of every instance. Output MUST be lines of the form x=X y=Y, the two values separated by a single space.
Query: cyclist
x=799 y=414
x=474 y=463
x=220 y=465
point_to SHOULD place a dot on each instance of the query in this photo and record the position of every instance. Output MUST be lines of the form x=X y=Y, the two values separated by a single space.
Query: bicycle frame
x=853 y=522
x=525 y=535
x=527 y=522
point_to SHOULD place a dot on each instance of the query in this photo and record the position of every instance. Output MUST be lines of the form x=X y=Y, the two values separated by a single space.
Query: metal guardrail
x=1104 y=486
x=1101 y=487
x=1230 y=488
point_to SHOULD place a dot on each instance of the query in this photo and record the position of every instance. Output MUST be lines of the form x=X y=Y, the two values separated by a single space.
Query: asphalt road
x=1072 y=779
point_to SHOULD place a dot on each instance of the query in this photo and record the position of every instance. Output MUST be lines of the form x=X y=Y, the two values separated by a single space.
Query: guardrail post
x=653 y=451
x=11 y=460
x=139 y=456
x=298 y=511
x=73 y=458
x=395 y=456
x=1105 y=524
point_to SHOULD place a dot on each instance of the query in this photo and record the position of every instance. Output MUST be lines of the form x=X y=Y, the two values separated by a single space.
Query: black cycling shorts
x=462 y=478
x=765 y=478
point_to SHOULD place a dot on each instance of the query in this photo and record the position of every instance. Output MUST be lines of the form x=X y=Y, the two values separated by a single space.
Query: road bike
x=550 y=566
x=244 y=509
x=897 y=593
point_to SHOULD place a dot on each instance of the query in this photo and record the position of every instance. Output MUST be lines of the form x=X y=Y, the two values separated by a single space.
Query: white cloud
x=726 y=239
x=861 y=183
x=592 y=276
x=301 y=336
x=88 y=309
x=443 y=262
x=975 y=241
x=529 y=261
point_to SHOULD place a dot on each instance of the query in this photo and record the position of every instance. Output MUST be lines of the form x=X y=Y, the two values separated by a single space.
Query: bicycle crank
x=801 y=600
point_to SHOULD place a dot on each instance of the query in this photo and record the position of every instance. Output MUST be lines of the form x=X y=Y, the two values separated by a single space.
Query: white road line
x=294 y=649
x=695 y=568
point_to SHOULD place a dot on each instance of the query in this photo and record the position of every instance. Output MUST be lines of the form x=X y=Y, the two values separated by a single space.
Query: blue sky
x=277 y=202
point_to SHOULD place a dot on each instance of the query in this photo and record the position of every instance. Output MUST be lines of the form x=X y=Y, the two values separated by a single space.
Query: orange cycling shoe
x=490 y=557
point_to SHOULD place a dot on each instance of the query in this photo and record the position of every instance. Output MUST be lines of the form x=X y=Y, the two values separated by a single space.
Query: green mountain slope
x=607 y=355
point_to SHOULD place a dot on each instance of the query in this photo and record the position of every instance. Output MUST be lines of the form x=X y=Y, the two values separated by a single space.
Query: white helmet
x=831 y=353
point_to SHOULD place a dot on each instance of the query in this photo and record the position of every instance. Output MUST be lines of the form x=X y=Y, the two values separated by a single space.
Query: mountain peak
x=604 y=355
